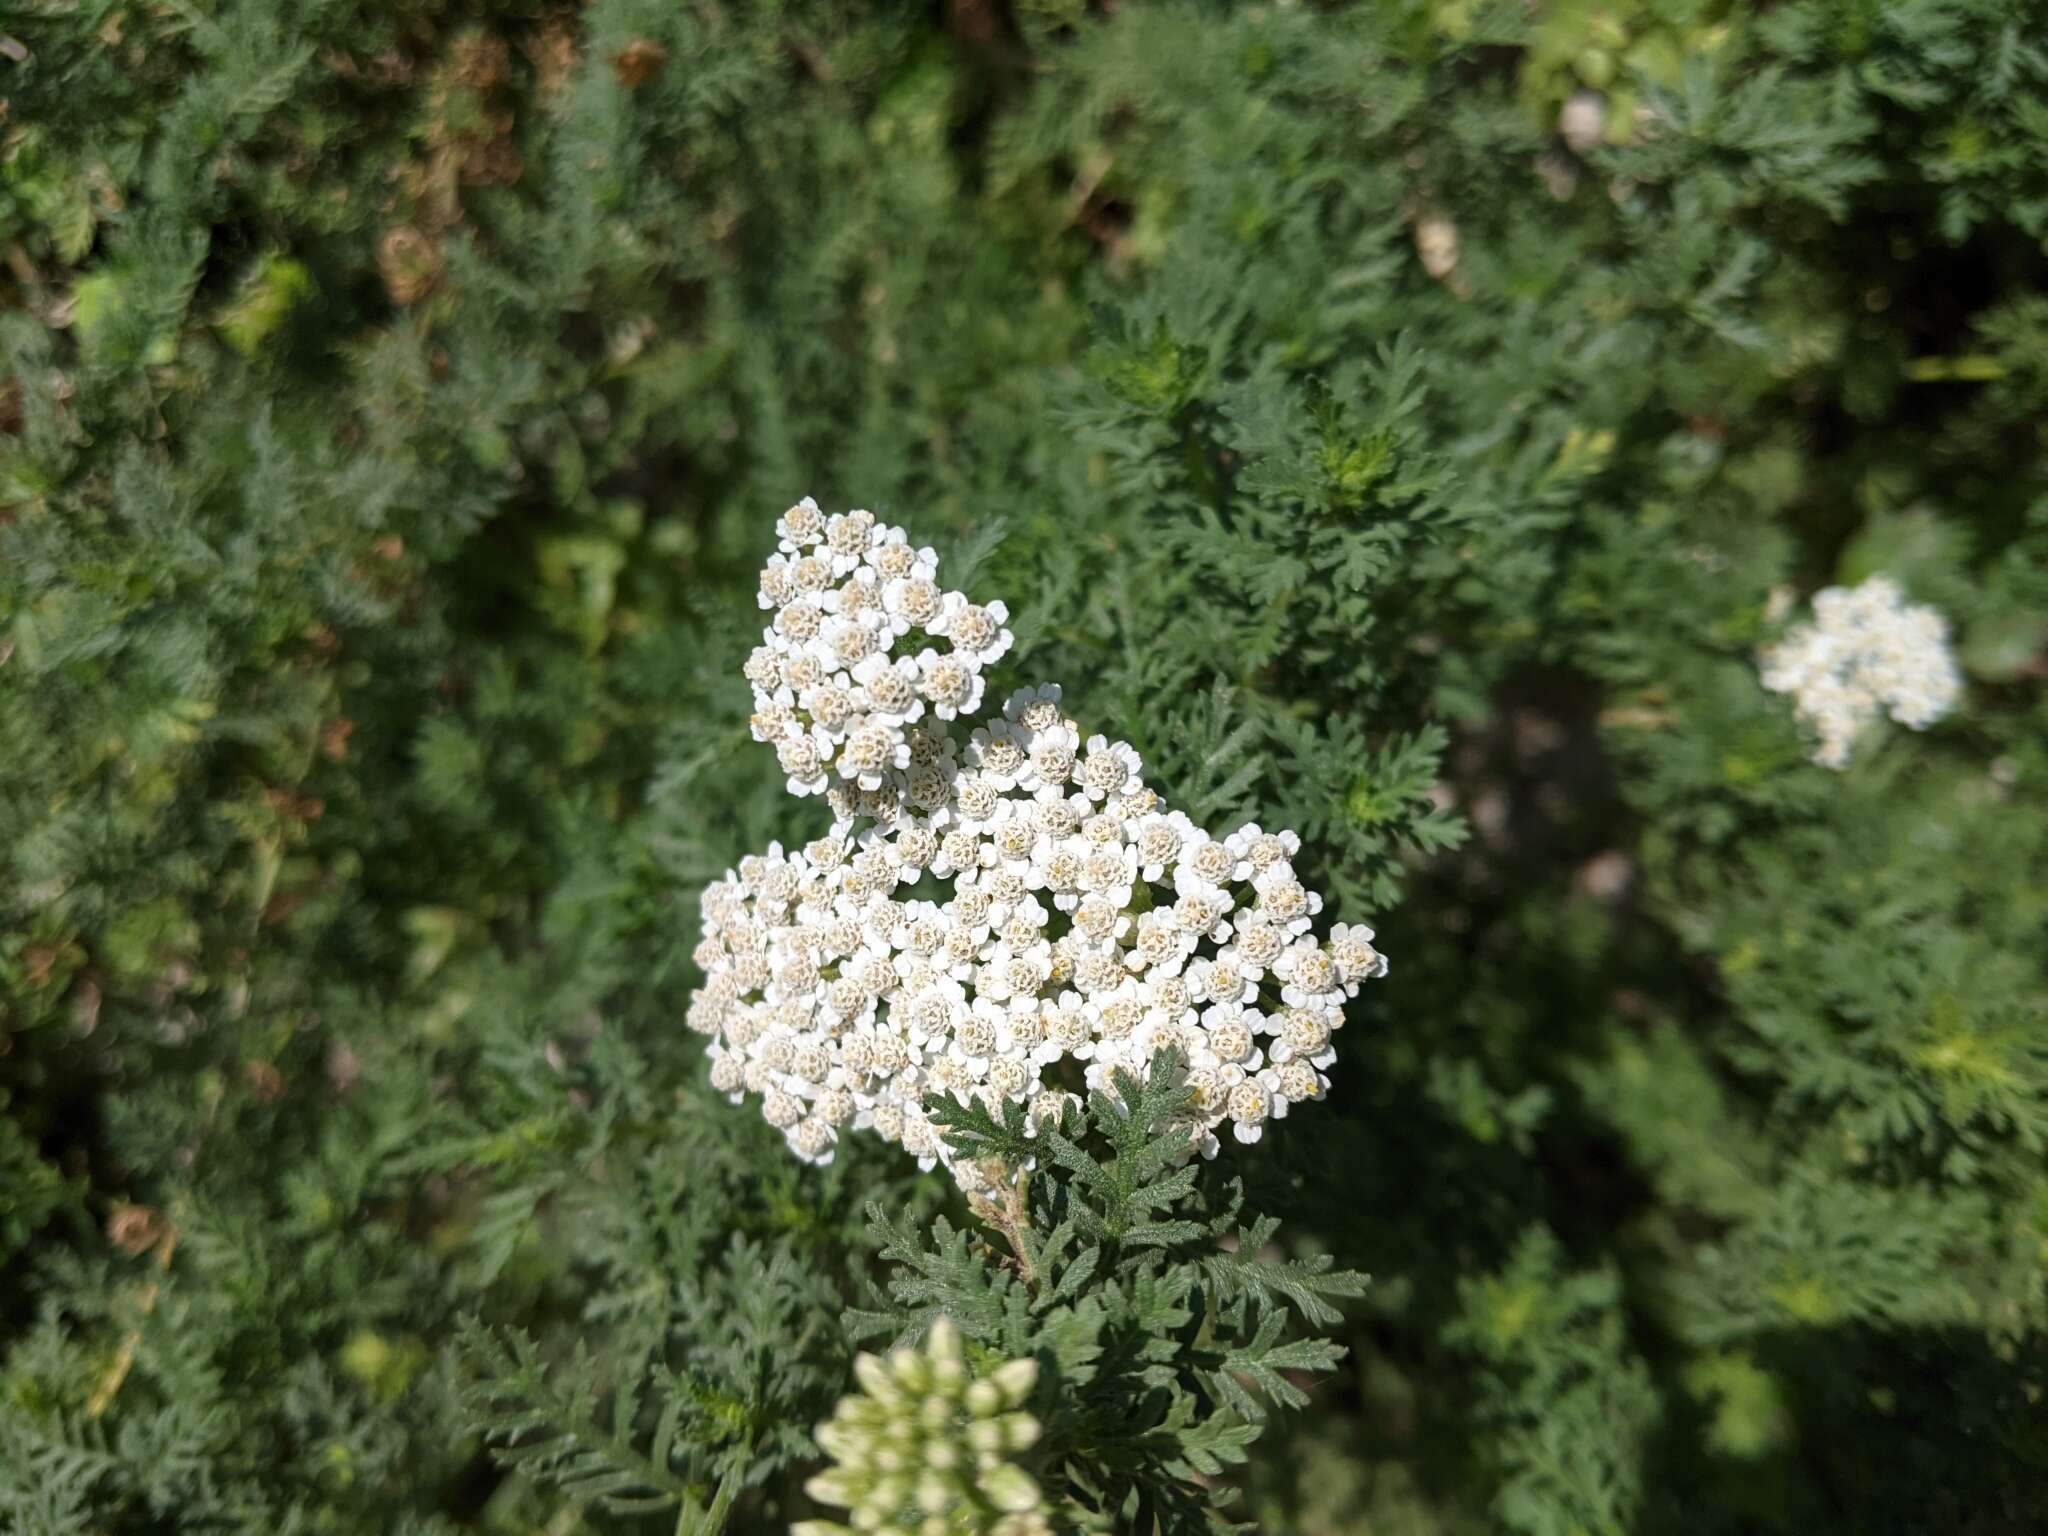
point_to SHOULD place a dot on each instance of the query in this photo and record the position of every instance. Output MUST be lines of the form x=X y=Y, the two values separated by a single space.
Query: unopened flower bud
x=833 y=1487
x=1009 y=1487
x=874 y=1378
x=1015 y=1379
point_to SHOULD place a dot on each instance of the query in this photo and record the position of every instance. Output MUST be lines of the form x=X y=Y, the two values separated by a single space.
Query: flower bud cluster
x=1867 y=651
x=1002 y=910
x=924 y=1448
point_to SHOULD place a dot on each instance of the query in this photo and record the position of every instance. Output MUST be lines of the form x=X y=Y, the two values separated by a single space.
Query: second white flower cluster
x=1001 y=910
x=1867 y=651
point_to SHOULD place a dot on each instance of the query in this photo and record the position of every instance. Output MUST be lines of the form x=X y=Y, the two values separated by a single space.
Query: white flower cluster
x=836 y=683
x=1002 y=910
x=1866 y=651
x=925 y=1446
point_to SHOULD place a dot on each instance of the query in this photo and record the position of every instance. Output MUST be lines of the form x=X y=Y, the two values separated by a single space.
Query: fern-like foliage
x=1162 y=1320
x=575 y=1430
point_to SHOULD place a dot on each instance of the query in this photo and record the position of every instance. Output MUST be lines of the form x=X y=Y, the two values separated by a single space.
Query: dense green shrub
x=395 y=404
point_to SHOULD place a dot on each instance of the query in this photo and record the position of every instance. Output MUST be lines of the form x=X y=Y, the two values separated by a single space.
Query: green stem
x=712 y=1521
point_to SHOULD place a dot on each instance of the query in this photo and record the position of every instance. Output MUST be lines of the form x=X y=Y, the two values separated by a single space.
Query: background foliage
x=393 y=400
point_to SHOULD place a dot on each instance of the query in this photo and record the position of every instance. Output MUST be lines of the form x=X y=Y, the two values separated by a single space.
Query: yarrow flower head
x=845 y=667
x=1867 y=651
x=1083 y=926
x=925 y=1447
